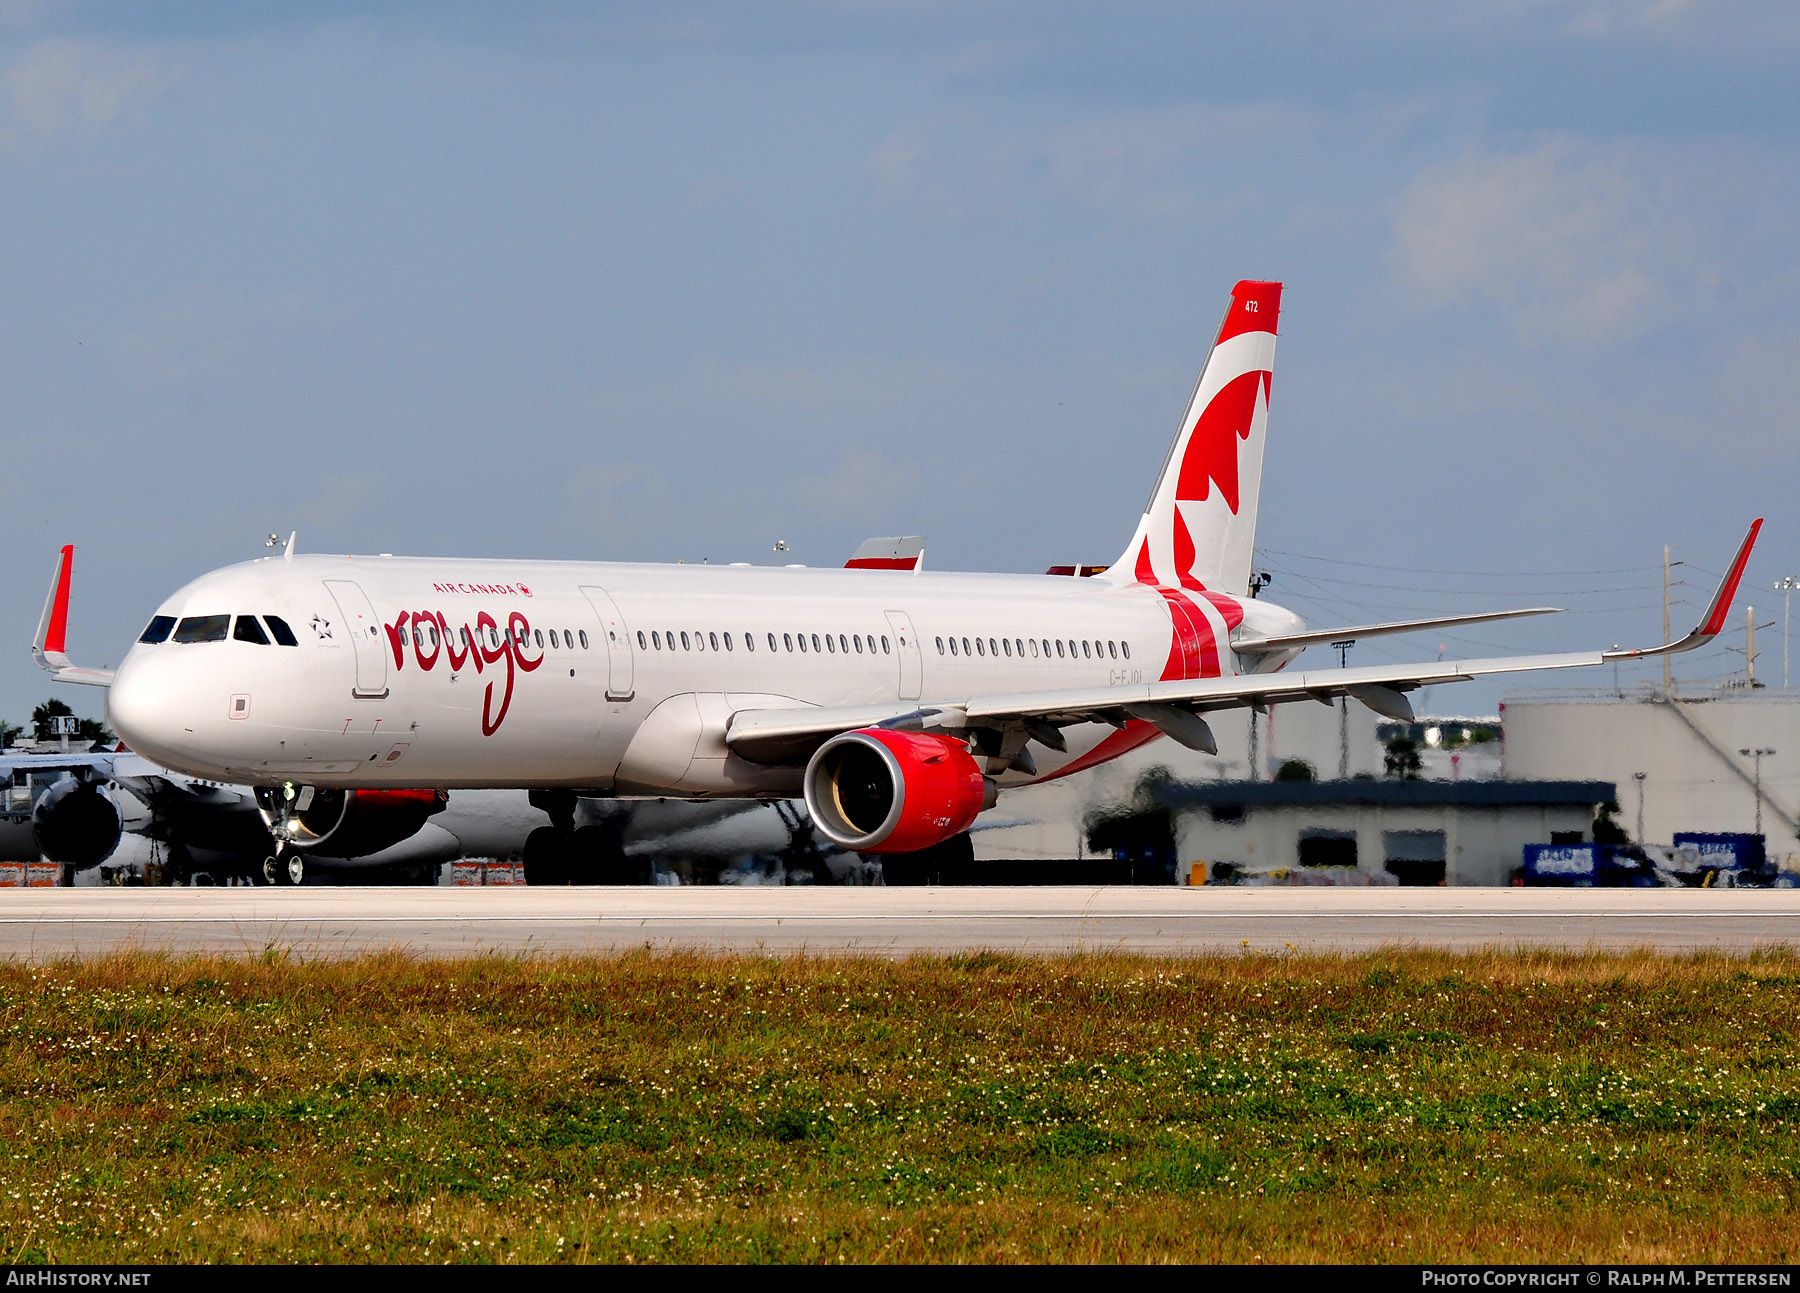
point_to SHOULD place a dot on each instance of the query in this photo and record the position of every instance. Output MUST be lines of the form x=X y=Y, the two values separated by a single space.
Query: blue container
x=1564 y=864
x=1725 y=851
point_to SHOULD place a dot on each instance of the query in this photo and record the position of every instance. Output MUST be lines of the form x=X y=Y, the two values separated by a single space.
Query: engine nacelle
x=345 y=823
x=876 y=791
x=76 y=823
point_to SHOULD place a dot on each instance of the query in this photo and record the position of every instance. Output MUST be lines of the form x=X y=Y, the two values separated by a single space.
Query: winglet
x=1714 y=620
x=53 y=624
x=49 y=648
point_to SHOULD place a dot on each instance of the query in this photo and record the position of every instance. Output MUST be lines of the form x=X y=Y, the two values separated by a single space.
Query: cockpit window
x=202 y=628
x=158 y=631
x=248 y=630
x=283 y=634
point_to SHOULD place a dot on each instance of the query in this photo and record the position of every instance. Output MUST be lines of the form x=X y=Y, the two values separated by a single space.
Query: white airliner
x=354 y=691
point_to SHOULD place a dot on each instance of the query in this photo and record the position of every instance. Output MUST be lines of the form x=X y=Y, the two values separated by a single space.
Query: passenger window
x=157 y=630
x=993 y=649
x=1019 y=647
x=829 y=644
x=684 y=643
x=844 y=644
x=643 y=645
x=787 y=640
x=1112 y=649
x=802 y=638
x=728 y=641
x=966 y=650
x=815 y=638
x=857 y=638
x=884 y=645
x=979 y=649
x=584 y=641
x=1059 y=649
x=1007 y=647
x=1034 y=648
x=749 y=641
x=248 y=630
x=940 y=643
x=953 y=645
x=713 y=640
x=656 y=639
x=1126 y=648
x=202 y=628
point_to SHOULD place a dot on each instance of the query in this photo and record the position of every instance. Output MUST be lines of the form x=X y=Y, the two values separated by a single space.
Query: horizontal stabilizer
x=1287 y=641
x=904 y=552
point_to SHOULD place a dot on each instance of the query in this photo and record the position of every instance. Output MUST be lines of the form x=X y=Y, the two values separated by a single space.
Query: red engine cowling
x=876 y=791
x=345 y=823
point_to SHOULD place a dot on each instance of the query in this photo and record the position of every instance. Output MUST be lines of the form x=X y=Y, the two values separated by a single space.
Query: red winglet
x=1721 y=605
x=56 y=632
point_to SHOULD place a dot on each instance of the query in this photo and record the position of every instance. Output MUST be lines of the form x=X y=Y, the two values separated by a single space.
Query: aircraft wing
x=48 y=647
x=1175 y=707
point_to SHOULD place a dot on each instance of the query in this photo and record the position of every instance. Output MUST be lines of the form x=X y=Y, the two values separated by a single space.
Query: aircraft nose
x=146 y=710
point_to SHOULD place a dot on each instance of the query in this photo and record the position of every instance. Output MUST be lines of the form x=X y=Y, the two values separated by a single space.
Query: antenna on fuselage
x=287 y=549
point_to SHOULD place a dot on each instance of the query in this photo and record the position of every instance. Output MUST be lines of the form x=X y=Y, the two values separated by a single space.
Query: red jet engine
x=876 y=791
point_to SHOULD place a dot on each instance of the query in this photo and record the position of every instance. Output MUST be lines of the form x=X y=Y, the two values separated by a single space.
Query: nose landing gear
x=284 y=867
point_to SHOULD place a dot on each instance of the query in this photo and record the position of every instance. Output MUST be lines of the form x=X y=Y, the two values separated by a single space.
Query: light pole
x=1785 y=586
x=1342 y=647
x=1757 y=754
x=1639 y=778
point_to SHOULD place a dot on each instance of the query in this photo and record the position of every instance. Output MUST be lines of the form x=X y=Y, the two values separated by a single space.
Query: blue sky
x=675 y=280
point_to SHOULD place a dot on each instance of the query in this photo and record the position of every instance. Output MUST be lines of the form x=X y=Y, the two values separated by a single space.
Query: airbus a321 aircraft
x=354 y=691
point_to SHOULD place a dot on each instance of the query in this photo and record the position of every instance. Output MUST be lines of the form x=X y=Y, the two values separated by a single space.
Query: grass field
x=1407 y=1107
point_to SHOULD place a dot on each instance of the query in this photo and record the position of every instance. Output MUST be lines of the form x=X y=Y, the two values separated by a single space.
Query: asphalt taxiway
x=50 y=924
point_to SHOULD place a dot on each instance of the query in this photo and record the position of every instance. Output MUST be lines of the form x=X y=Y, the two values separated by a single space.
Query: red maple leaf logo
x=1212 y=450
x=524 y=590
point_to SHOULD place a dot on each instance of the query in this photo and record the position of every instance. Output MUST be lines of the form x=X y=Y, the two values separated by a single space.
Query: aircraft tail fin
x=1199 y=528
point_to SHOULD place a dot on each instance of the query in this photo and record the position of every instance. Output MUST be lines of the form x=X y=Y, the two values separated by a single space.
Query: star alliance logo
x=321 y=627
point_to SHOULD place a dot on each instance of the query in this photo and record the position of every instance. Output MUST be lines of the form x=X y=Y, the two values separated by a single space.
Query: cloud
x=1168 y=163
x=1569 y=241
x=860 y=482
x=199 y=333
x=61 y=91
x=1174 y=166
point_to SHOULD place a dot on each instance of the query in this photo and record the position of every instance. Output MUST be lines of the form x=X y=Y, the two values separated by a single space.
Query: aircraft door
x=620 y=685
x=363 y=629
x=912 y=662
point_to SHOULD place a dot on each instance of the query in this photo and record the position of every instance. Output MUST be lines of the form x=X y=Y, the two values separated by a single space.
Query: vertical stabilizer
x=1200 y=526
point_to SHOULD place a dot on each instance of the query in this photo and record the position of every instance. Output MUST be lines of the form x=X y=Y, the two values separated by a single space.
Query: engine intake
x=345 y=823
x=76 y=823
x=876 y=791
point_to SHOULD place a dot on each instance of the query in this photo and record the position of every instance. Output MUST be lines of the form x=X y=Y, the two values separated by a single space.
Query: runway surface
x=49 y=924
